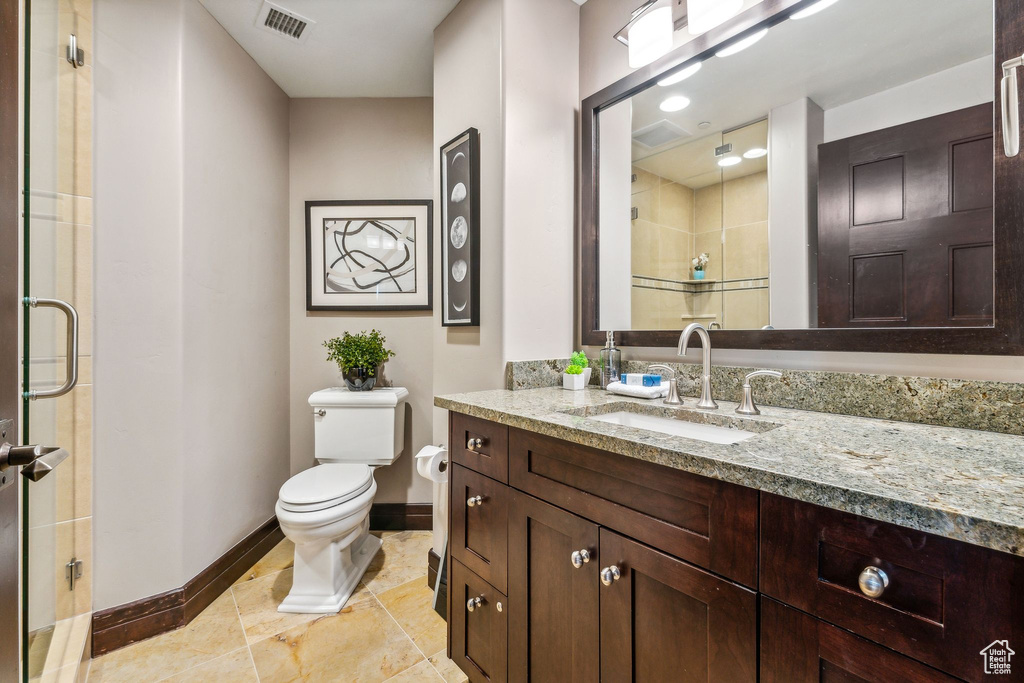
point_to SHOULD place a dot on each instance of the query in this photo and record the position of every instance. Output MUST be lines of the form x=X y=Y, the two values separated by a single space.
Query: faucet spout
x=706 y=401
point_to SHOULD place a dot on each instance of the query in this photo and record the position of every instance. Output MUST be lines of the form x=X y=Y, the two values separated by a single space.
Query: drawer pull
x=610 y=575
x=473 y=603
x=474 y=444
x=580 y=557
x=474 y=501
x=873 y=582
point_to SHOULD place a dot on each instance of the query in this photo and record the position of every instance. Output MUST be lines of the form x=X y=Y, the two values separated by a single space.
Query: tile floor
x=386 y=632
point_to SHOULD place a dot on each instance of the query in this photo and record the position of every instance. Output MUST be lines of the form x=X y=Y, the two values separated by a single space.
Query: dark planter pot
x=360 y=379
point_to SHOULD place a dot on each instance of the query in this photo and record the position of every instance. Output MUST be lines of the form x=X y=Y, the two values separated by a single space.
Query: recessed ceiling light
x=813 y=9
x=680 y=75
x=674 y=103
x=755 y=153
x=741 y=45
x=729 y=161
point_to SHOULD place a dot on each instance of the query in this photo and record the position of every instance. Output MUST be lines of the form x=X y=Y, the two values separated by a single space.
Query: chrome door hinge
x=75 y=55
x=73 y=572
x=1008 y=100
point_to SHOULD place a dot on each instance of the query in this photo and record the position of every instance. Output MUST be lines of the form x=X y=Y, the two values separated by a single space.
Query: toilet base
x=319 y=568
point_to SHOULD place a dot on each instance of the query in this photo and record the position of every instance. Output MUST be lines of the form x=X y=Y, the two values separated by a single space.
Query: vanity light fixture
x=674 y=103
x=729 y=161
x=755 y=153
x=741 y=45
x=680 y=76
x=704 y=15
x=813 y=9
x=650 y=36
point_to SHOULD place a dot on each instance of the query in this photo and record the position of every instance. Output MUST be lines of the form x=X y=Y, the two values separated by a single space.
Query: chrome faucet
x=673 y=391
x=706 y=401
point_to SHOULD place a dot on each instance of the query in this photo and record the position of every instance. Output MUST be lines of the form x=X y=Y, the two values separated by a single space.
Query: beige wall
x=190 y=359
x=360 y=149
x=603 y=61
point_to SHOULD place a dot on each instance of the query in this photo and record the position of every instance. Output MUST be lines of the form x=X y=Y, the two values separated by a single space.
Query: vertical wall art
x=369 y=255
x=460 y=226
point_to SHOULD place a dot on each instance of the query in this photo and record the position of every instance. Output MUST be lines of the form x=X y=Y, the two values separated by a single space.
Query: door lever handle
x=35 y=461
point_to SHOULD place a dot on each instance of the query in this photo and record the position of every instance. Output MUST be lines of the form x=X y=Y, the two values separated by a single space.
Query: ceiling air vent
x=283 y=22
x=658 y=134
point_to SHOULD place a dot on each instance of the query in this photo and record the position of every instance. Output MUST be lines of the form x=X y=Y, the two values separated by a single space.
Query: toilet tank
x=365 y=427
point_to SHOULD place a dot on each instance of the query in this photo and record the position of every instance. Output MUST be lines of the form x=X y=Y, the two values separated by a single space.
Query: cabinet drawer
x=797 y=648
x=710 y=523
x=479 y=636
x=480 y=445
x=945 y=600
x=479 y=537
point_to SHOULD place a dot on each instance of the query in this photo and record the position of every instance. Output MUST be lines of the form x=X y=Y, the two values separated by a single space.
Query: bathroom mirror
x=822 y=187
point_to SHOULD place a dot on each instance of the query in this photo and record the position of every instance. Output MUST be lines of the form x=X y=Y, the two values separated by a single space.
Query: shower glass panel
x=57 y=238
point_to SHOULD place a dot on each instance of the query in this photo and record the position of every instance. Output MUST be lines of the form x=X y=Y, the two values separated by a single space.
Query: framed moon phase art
x=460 y=226
x=369 y=255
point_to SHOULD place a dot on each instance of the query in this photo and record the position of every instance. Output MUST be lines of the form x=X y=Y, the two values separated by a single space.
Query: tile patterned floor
x=386 y=632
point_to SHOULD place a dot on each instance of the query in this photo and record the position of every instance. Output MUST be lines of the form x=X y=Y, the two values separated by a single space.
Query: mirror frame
x=1004 y=337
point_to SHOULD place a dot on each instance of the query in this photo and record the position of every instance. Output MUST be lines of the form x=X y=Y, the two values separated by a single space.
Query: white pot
x=573 y=382
x=586 y=376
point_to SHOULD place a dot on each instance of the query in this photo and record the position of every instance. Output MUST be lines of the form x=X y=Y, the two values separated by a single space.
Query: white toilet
x=325 y=510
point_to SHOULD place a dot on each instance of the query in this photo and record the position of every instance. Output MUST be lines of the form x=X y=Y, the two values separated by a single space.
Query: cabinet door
x=797 y=648
x=479 y=521
x=663 y=619
x=478 y=628
x=553 y=601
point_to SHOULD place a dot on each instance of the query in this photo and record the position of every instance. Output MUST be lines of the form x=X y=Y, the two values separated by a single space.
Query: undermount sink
x=676 y=427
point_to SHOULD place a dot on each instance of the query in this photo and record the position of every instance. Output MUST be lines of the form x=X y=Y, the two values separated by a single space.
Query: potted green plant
x=359 y=357
x=577 y=374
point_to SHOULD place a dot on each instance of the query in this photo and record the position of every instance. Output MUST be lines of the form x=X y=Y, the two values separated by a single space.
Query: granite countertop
x=957 y=483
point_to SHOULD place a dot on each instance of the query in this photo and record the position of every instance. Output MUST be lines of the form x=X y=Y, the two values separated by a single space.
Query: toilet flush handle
x=320 y=413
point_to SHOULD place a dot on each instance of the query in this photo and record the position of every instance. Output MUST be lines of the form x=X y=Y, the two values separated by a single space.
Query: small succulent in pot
x=359 y=357
x=577 y=374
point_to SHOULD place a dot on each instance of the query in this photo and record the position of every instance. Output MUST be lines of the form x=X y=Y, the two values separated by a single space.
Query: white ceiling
x=853 y=49
x=356 y=48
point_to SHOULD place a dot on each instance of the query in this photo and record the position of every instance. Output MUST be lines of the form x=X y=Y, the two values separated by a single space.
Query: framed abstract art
x=369 y=255
x=460 y=227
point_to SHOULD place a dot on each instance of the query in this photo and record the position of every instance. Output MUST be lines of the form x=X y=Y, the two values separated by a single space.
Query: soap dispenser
x=611 y=362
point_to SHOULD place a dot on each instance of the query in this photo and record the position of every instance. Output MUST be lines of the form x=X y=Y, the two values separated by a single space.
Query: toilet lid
x=324 y=486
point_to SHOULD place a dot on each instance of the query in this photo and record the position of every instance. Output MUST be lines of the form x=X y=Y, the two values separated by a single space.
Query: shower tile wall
x=60 y=172
x=745 y=255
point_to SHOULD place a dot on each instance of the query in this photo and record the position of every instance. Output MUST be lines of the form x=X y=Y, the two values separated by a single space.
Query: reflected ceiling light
x=674 y=103
x=755 y=153
x=650 y=36
x=680 y=76
x=813 y=9
x=741 y=45
x=729 y=161
x=704 y=15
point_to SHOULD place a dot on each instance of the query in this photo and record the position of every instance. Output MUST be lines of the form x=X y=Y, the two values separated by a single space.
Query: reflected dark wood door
x=553 y=604
x=9 y=298
x=667 y=620
x=905 y=224
x=797 y=648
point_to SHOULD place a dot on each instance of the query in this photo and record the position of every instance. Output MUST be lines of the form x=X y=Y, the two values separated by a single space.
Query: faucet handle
x=662 y=366
x=673 y=390
x=747 y=406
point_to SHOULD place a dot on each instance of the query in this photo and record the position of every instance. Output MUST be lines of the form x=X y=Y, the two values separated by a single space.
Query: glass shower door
x=57 y=239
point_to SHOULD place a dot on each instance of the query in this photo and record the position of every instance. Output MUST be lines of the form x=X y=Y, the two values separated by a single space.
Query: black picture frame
x=421 y=298
x=460 y=230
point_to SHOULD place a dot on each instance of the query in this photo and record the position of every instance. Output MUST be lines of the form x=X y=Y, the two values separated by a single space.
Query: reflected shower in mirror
x=825 y=176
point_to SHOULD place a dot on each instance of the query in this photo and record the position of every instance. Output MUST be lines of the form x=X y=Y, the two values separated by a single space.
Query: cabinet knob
x=873 y=582
x=580 y=557
x=474 y=444
x=474 y=501
x=610 y=575
x=473 y=603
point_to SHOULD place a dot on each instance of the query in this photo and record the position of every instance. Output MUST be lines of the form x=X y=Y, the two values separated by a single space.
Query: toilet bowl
x=325 y=510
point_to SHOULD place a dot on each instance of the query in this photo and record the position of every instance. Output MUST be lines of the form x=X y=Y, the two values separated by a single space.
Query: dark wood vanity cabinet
x=592 y=566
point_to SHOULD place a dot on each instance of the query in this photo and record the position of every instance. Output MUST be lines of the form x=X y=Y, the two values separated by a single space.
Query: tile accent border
x=116 y=627
x=966 y=404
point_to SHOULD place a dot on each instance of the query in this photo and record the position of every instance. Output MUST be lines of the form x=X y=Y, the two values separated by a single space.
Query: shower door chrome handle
x=1010 y=108
x=71 y=378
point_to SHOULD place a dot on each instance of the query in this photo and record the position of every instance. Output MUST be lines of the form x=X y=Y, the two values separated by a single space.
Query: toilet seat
x=324 y=486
